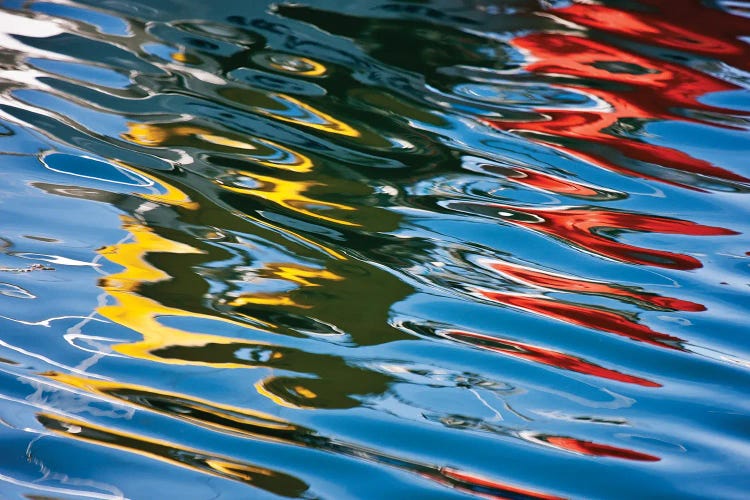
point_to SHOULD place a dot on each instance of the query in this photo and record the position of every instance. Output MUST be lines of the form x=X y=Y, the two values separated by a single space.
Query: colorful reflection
x=167 y=344
x=590 y=448
x=635 y=88
x=594 y=230
x=298 y=255
x=542 y=181
x=543 y=356
x=174 y=454
x=597 y=318
x=252 y=425
x=140 y=313
x=693 y=26
x=286 y=194
x=547 y=280
x=255 y=149
x=286 y=108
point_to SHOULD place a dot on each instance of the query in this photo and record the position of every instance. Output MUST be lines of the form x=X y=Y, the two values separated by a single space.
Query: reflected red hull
x=581 y=226
x=552 y=281
x=545 y=357
x=597 y=449
x=587 y=316
x=649 y=89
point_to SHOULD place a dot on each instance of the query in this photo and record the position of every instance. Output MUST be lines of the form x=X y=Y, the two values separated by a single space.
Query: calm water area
x=437 y=249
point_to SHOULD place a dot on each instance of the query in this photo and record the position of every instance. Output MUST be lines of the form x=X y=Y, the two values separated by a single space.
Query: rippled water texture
x=374 y=249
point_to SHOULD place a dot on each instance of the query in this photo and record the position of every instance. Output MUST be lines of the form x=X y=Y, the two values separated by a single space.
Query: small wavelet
x=429 y=249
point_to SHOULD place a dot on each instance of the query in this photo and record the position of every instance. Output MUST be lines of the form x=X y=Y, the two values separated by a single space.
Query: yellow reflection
x=261 y=388
x=226 y=413
x=264 y=300
x=147 y=134
x=323 y=121
x=224 y=141
x=154 y=448
x=183 y=57
x=294 y=273
x=312 y=68
x=287 y=194
x=300 y=163
x=262 y=151
x=143 y=314
x=333 y=253
x=299 y=274
x=140 y=313
x=172 y=195
x=305 y=392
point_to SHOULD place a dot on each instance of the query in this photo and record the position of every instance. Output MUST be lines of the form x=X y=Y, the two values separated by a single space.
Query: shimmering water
x=374 y=249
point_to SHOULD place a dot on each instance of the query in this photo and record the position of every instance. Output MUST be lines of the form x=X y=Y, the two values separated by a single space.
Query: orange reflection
x=655 y=89
x=689 y=25
x=566 y=283
x=584 y=227
x=584 y=315
x=596 y=449
x=543 y=356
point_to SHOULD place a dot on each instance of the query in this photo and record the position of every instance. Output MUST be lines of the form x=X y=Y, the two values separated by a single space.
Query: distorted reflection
x=595 y=230
x=312 y=251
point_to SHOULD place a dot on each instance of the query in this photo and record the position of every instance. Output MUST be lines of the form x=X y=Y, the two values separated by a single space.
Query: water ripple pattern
x=375 y=249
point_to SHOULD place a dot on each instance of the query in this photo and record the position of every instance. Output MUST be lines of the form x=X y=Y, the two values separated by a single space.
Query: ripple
x=318 y=251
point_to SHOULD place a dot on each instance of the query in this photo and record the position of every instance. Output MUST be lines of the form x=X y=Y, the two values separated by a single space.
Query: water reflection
x=634 y=91
x=595 y=230
x=323 y=250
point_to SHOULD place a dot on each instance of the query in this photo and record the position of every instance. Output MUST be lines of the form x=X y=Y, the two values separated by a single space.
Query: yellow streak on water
x=333 y=253
x=301 y=274
x=219 y=466
x=150 y=134
x=141 y=313
x=261 y=389
x=172 y=195
x=316 y=68
x=328 y=123
x=287 y=194
x=231 y=413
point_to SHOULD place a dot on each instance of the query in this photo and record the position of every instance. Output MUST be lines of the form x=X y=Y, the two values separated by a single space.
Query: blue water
x=439 y=249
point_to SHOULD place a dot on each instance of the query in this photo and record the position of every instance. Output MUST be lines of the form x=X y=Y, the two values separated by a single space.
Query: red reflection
x=646 y=89
x=551 y=183
x=597 y=449
x=582 y=227
x=584 y=315
x=544 y=356
x=687 y=25
x=483 y=482
x=553 y=281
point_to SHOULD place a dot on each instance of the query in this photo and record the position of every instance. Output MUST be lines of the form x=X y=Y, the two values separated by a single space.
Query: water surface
x=372 y=249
